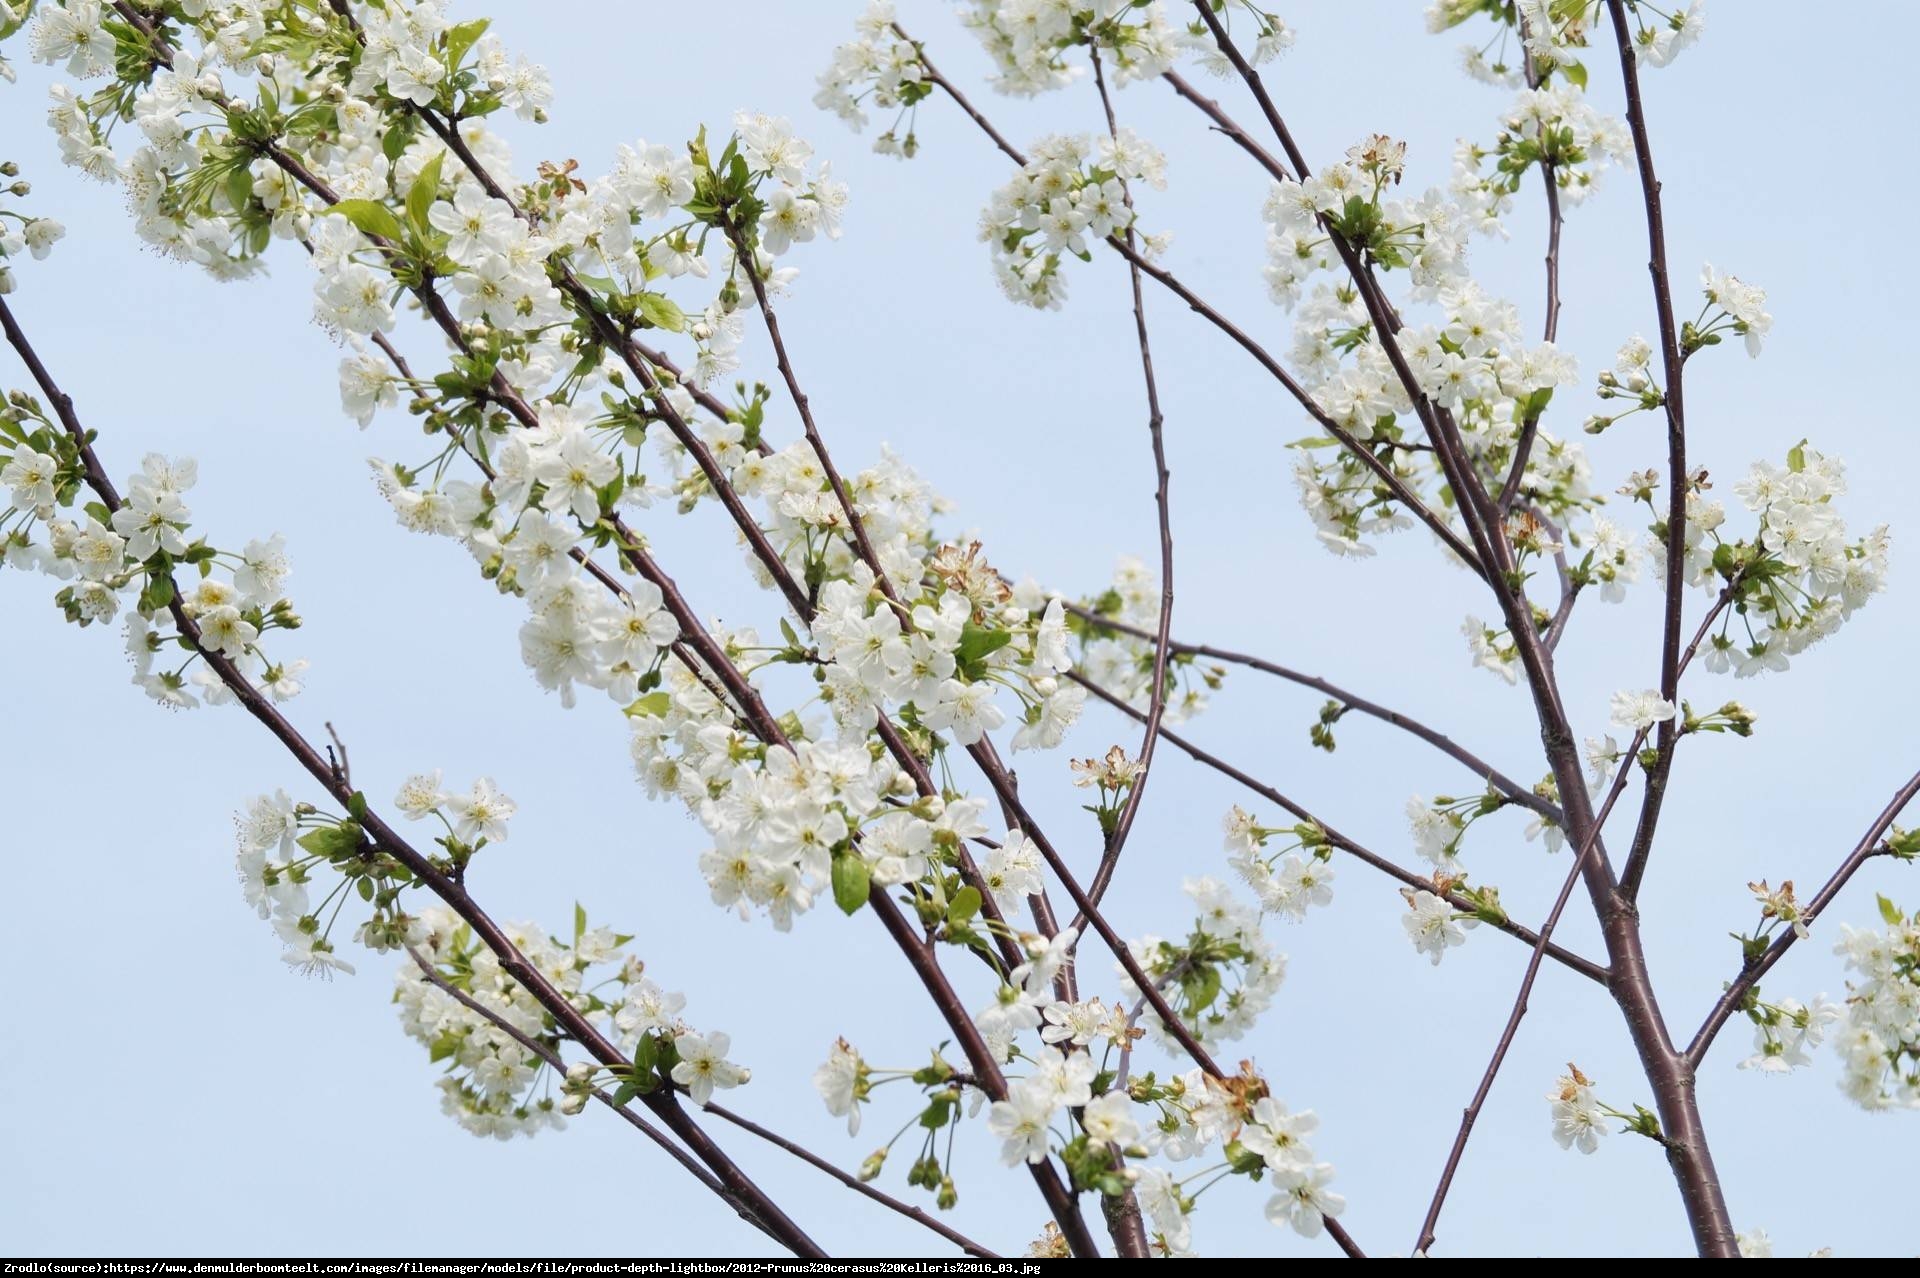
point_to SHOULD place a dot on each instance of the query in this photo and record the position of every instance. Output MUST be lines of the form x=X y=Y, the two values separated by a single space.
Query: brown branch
x=1751 y=972
x=739 y=1189
x=1673 y=363
x=1507 y=786
x=1586 y=967
x=553 y=1059
x=805 y=1155
x=984 y=757
x=1529 y=431
x=1238 y=336
x=1394 y=484
x=1631 y=985
x=1228 y=126
x=1520 y=1002
x=1157 y=699
x=1065 y=1209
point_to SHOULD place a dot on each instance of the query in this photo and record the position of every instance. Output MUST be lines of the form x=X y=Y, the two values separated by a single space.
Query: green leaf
x=579 y=921
x=462 y=38
x=1797 y=457
x=1889 y=911
x=661 y=312
x=421 y=195
x=646 y=1056
x=966 y=904
x=977 y=643
x=1201 y=986
x=850 y=882
x=371 y=217
x=357 y=804
x=653 y=705
x=240 y=188
x=332 y=841
x=1576 y=73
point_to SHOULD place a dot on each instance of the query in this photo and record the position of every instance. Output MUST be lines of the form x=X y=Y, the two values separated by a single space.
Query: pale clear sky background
x=171 y=1088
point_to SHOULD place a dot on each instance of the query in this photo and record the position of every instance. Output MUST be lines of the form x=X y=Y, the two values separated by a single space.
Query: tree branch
x=1750 y=973
x=738 y=1187
x=1157 y=697
x=1674 y=364
x=1513 y=790
x=1591 y=970
x=553 y=1058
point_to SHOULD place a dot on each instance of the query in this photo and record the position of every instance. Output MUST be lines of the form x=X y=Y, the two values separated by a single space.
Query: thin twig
x=1586 y=967
x=1167 y=279
x=1507 y=786
x=1673 y=363
x=1157 y=697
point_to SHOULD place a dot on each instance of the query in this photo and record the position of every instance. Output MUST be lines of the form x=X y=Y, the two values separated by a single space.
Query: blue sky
x=174 y=1089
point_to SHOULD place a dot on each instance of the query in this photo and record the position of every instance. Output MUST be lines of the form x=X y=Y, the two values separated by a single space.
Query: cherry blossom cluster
x=288 y=851
x=494 y=1084
x=1122 y=662
x=821 y=814
x=1029 y=40
x=129 y=556
x=1070 y=194
x=525 y=529
x=1784 y=1033
x=1079 y=1102
x=1426 y=236
x=1501 y=59
x=1880 y=1042
x=1756 y=1245
x=1474 y=364
x=1579 y=1117
x=1257 y=1136
x=1440 y=825
x=1731 y=305
x=1439 y=920
x=1224 y=970
x=1631 y=380
x=284 y=846
x=878 y=68
x=1288 y=868
x=1554 y=127
x=20 y=232
x=1554 y=34
x=1796 y=580
x=1557 y=32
